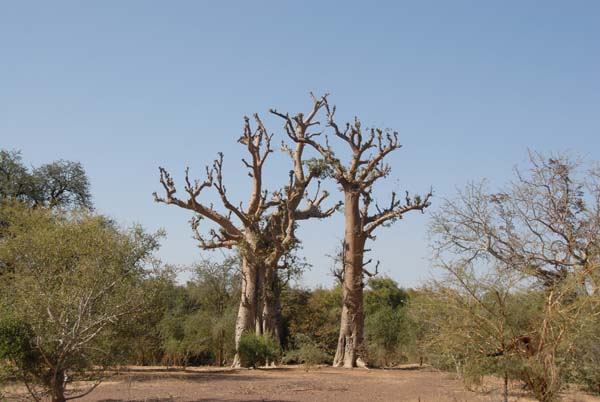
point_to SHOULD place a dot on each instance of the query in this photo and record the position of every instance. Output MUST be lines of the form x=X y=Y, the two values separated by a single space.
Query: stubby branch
x=192 y=203
x=396 y=209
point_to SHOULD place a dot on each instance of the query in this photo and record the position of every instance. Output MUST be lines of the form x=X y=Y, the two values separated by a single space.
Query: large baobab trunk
x=271 y=308
x=246 y=318
x=352 y=321
x=260 y=296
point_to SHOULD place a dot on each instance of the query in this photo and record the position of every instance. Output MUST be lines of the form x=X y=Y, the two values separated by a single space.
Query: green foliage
x=61 y=183
x=312 y=322
x=527 y=250
x=318 y=167
x=496 y=324
x=388 y=331
x=468 y=325
x=584 y=359
x=74 y=278
x=15 y=180
x=256 y=350
x=57 y=184
x=312 y=313
x=307 y=352
x=16 y=344
x=384 y=292
x=198 y=323
x=140 y=338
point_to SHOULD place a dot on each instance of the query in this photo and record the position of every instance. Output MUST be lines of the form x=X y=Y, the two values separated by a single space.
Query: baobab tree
x=356 y=180
x=282 y=223
x=263 y=232
x=279 y=236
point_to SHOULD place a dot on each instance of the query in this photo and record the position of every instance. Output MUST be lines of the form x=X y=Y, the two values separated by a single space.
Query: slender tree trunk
x=505 y=394
x=246 y=318
x=58 y=387
x=352 y=321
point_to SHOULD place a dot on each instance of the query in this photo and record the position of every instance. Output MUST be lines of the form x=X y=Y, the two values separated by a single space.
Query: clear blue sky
x=125 y=86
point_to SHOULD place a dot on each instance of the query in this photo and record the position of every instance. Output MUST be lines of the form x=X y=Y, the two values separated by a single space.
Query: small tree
x=73 y=279
x=477 y=322
x=544 y=227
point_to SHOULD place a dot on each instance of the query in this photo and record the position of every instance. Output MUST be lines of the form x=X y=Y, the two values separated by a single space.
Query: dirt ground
x=296 y=384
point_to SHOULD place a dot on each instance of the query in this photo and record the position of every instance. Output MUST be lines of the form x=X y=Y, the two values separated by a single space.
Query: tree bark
x=505 y=391
x=352 y=321
x=260 y=297
x=246 y=318
x=271 y=311
x=58 y=387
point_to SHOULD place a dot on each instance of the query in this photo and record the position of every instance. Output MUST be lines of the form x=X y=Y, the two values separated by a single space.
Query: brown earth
x=296 y=384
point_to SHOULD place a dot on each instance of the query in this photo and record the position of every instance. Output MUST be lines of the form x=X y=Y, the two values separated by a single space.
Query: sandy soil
x=295 y=384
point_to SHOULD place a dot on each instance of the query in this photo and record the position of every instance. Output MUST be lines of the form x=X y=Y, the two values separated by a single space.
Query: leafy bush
x=584 y=365
x=15 y=345
x=256 y=350
x=313 y=313
x=308 y=352
x=387 y=331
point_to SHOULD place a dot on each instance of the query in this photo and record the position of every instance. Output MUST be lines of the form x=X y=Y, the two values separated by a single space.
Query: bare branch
x=218 y=169
x=396 y=209
x=192 y=203
x=369 y=274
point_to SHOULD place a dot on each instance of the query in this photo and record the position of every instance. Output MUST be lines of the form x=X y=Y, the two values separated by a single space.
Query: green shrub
x=584 y=365
x=256 y=350
x=15 y=343
x=307 y=352
x=17 y=356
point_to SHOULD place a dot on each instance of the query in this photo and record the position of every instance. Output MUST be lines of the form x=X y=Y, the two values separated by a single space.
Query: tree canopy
x=57 y=184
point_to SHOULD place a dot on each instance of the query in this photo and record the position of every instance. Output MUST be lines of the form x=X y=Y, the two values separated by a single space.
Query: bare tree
x=545 y=226
x=281 y=224
x=356 y=180
x=264 y=231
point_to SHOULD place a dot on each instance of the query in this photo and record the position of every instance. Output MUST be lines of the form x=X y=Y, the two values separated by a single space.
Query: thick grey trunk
x=246 y=318
x=271 y=312
x=260 y=297
x=352 y=321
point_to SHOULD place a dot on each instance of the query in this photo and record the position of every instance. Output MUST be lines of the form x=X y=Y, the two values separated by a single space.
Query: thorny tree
x=356 y=180
x=264 y=231
x=73 y=281
x=546 y=226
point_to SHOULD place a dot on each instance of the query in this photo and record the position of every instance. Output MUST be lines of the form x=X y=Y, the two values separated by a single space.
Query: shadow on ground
x=185 y=375
x=190 y=400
